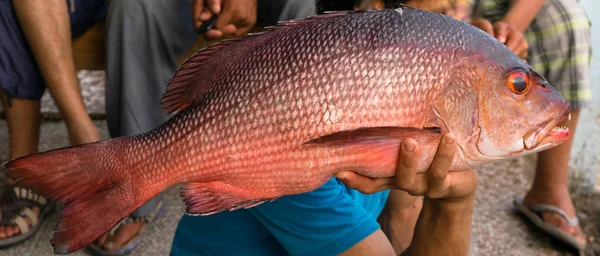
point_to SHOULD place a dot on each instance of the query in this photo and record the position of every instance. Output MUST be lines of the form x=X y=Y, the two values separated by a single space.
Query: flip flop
x=14 y=214
x=134 y=241
x=533 y=213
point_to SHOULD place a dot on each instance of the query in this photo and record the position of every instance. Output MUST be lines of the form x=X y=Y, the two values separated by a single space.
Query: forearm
x=522 y=12
x=399 y=217
x=443 y=228
x=46 y=26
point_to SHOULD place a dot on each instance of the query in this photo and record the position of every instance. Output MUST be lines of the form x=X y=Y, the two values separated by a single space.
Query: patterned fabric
x=559 y=45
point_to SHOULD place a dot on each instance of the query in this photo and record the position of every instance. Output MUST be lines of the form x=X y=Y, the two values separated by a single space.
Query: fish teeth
x=569 y=116
x=560 y=129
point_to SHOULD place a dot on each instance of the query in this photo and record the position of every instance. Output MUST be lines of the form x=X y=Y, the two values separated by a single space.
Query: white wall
x=586 y=149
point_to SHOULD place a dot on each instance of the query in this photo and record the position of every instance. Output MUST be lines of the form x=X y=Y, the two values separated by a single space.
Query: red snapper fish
x=280 y=112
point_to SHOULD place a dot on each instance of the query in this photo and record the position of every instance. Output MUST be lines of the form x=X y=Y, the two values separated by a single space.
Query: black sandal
x=18 y=203
x=135 y=240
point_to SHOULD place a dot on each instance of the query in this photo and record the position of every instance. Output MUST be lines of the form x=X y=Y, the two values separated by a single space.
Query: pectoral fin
x=383 y=135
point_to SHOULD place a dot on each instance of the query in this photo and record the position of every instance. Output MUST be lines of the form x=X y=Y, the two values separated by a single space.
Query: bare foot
x=123 y=235
x=13 y=230
x=561 y=199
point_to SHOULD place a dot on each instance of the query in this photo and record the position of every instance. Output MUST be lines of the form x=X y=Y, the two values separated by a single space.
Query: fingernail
x=109 y=245
x=409 y=146
x=449 y=139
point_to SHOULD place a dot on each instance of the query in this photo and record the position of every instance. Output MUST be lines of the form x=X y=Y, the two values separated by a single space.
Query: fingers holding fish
x=406 y=170
x=437 y=182
x=405 y=178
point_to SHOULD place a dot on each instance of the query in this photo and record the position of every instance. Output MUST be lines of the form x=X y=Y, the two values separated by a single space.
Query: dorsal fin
x=197 y=73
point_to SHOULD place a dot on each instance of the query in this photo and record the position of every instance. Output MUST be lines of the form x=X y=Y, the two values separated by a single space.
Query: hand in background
x=235 y=17
x=506 y=33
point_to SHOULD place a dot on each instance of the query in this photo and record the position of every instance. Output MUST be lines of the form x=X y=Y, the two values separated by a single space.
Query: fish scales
x=285 y=93
x=280 y=112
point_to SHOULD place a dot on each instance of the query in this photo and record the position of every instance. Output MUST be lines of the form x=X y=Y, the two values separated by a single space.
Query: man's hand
x=506 y=33
x=235 y=17
x=437 y=182
x=202 y=10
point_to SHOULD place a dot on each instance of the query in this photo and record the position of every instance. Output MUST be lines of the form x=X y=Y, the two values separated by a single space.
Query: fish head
x=516 y=111
x=497 y=106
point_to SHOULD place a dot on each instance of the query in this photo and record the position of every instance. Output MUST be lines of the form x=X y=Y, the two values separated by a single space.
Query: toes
x=578 y=233
x=558 y=221
x=102 y=240
x=12 y=230
x=16 y=230
x=123 y=235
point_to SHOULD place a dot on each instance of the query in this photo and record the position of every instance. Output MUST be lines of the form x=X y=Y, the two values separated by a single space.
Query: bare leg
x=23 y=120
x=45 y=24
x=550 y=185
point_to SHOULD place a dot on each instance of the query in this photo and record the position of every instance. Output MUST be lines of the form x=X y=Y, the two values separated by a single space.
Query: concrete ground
x=497 y=230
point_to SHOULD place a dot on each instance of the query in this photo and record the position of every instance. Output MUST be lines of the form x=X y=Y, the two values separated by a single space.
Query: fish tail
x=88 y=180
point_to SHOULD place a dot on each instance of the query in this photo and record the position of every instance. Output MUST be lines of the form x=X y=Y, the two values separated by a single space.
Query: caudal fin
x=88 y=180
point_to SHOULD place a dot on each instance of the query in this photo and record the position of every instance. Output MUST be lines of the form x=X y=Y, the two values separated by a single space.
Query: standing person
x=35 y=55
x=558 y=34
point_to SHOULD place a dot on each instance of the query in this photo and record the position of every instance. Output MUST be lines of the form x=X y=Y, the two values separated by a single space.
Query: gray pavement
x=497 y=230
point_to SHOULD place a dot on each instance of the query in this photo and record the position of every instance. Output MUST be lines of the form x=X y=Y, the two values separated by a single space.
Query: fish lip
x=547 y=133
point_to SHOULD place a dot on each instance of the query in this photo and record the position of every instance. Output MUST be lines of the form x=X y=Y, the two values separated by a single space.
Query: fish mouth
x=547 y=134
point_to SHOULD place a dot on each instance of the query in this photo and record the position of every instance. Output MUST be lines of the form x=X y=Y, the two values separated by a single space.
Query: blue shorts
x=327 y=221
x=20 y=75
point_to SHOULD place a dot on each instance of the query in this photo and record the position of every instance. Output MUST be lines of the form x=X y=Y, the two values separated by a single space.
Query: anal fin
x=209 y=198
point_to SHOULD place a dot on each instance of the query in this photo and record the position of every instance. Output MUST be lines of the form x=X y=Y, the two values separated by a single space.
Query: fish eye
x=518 y=82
